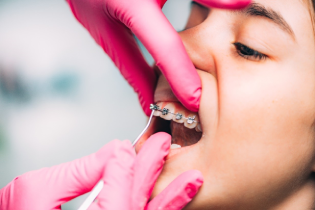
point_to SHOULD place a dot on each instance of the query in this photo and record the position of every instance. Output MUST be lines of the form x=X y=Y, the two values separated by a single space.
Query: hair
x=311 y=6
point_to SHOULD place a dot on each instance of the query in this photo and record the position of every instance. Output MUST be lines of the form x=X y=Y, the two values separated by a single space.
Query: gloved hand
x=128 y=180
x=111 y=23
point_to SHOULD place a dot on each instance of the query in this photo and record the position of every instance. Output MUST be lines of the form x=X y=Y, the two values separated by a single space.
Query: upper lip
x=165 y=95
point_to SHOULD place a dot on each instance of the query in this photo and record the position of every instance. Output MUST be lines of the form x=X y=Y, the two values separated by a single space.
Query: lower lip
x=175 y=152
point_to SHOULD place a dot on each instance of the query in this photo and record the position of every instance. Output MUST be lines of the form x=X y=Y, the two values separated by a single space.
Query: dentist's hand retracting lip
x=181 y=135
x=225 y=4
x=128 y=180
x=111 y=22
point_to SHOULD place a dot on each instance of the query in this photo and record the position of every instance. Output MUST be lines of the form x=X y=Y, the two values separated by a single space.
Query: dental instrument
x=99 y=186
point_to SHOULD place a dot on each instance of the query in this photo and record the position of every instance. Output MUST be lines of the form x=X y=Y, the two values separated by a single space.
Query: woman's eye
x=248 y=53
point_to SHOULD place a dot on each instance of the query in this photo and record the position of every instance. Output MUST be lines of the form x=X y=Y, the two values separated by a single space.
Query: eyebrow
x=256 y=9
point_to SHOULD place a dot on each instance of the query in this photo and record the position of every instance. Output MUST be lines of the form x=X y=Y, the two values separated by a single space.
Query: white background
x=63 y=97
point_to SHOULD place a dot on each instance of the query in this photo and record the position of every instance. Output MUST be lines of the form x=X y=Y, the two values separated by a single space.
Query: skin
x=258 y=147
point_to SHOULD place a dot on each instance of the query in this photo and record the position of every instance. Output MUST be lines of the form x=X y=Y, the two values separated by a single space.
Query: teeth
x=191 y=122
x=158 y=113
x=179 y=118
x=175 y=146
x=167 y=110
x=198 y=128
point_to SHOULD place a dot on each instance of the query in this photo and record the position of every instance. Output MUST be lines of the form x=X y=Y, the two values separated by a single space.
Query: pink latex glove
x=128 y=180
x=112 y=22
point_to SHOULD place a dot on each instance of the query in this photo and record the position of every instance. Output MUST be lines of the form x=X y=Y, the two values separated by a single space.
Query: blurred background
x=61 y=97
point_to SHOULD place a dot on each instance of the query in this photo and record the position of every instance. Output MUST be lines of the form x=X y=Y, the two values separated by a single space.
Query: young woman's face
x=257 y=109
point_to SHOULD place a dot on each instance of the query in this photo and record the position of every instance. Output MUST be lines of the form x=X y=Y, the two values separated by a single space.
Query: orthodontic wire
x=99 y=186
x=166 y=111
x=145 y=129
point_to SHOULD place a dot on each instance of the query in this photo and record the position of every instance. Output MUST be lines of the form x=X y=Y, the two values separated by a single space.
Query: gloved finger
x=129 y=60
x=118 y=42
x=179 y=193
x=117 y=179
x=161 y=40
x=148 y=165
x=225 y=4
x=69 y=180
x=164 y=44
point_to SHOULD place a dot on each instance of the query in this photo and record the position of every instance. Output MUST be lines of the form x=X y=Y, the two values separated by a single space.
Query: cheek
x=272 y=104
x=263 y=143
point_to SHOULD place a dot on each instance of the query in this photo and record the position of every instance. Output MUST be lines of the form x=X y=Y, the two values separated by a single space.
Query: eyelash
x=249 y=53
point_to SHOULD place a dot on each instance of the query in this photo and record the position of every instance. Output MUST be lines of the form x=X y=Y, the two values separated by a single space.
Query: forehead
x=296 y=13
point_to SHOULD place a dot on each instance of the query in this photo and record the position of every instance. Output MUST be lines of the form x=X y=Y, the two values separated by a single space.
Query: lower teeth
x=184 y=136
x=175 y=146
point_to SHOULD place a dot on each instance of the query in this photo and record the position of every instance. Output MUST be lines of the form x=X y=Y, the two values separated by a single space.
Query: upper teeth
x=179 y=116
x=167 y=113
x=191 y=120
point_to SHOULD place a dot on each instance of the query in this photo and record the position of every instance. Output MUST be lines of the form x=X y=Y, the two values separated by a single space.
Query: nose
x=199 y=51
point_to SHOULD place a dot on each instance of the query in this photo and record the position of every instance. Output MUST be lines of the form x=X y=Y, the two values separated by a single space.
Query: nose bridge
x=200 y=51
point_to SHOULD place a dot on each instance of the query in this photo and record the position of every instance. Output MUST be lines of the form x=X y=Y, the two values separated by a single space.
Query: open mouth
x=171 y=117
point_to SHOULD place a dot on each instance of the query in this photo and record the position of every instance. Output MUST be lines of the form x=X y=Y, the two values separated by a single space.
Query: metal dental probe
x=98 y=187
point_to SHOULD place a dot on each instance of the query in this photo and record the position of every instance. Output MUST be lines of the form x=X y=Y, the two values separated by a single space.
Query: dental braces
x=178 y=116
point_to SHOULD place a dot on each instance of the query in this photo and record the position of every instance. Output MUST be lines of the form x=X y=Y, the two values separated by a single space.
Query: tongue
x=184 y=136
